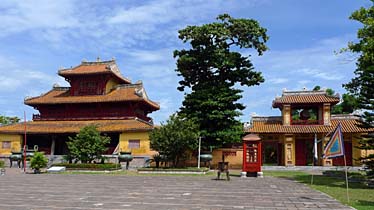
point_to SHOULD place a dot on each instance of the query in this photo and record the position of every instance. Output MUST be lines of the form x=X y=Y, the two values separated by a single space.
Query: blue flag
x=335 y=146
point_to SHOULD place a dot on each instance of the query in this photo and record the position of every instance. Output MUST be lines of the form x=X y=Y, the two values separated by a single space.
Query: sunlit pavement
x=63 y=191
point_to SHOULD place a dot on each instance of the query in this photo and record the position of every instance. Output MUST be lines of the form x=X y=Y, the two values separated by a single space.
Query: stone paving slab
x=61 y=191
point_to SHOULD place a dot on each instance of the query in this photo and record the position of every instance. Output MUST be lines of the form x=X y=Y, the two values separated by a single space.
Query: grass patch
x=189 y=169
x=361 y=197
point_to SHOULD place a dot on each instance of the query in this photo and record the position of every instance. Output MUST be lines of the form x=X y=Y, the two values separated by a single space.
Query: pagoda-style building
x=288 y=140
x=98 y=95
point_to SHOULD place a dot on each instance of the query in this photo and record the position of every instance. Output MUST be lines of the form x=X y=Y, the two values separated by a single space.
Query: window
x=88 y=88
x=134 y=144
x=6 y=145
x=305 y=116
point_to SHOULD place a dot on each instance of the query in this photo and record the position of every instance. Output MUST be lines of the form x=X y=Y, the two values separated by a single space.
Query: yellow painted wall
x=286 y=114
x=15 y=140
x=109 y=85
x=326 y=114
x=144 y=143
x=235 y=162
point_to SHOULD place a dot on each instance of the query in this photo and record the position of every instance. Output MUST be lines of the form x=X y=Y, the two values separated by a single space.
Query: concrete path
x=61 y=191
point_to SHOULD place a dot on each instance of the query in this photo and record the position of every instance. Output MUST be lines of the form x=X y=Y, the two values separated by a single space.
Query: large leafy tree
x=88 y=144
x=211 y=70
x=175 y=138
x=5 y=120
x=348 y=104
x=362 y=85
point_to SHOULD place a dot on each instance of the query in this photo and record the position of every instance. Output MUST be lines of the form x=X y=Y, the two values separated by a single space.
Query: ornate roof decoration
x=94 y=67
x=305 y=97
x=59 y=127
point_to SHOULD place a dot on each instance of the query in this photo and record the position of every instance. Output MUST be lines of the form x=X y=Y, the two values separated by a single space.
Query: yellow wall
x=144 y=143
x=286 y=114
x=326 y=114
x=235 y=162
x=356 y=153
x=109 y=85
x=15 y=140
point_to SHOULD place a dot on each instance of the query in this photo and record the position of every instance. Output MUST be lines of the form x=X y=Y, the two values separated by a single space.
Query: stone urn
x=206 y=157
x=125 y=157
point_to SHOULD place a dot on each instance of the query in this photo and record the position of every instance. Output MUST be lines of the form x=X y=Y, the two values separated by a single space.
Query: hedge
x=90 y=166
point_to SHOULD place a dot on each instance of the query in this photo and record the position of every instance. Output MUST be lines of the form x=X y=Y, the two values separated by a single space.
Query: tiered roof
x=305 y=97
x=274 y=125
x=93 y=68
x=121 y=93
x=61 y=127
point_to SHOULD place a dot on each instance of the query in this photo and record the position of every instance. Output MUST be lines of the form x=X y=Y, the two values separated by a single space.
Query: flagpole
x=314 y=151
x=25 y=144
x=346 y=177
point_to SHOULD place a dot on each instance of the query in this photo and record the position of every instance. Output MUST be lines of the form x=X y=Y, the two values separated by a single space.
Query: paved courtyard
x=92 y=191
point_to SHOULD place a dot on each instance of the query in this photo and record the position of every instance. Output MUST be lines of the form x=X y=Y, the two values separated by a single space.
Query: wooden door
x=300 y=152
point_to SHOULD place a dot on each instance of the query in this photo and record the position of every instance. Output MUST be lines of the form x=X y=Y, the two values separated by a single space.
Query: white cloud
x=153 y=13
x=277 y=80
x=17 y=16
x=15 y=77
x=320 y=74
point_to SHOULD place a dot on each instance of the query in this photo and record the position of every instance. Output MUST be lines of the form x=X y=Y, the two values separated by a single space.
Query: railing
x=92 y=116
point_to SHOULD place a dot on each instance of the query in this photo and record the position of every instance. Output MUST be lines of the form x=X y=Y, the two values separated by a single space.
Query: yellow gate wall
x=15 y=141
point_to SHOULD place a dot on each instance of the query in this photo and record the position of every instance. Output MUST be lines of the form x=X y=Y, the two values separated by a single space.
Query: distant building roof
x=48 y=127
x=263 y=125
x=95 y=67
x=122 y=93
x=305 y=97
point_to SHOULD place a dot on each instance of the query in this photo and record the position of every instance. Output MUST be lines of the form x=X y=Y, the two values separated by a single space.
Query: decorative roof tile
x=274 y=125
x=122 y=93
x=97 y=67
x=60 y=127
x=305 y=97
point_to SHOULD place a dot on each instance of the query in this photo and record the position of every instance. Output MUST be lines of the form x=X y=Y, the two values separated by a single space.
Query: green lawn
x=361 y=197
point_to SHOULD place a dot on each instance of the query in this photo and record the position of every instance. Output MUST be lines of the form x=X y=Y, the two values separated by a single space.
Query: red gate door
x=300 y=153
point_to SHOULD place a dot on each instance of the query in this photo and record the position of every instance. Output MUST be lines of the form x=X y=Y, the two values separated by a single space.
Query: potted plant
x=38 y=161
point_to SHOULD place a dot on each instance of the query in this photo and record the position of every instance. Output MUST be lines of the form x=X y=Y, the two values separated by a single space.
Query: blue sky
x=39 y=37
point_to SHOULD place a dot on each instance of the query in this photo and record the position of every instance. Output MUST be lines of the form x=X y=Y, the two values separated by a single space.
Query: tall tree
x=362 y=85
x=348 y=104
x=211 y=68
x=5 y=120
x=88 y=144
x=175 y=138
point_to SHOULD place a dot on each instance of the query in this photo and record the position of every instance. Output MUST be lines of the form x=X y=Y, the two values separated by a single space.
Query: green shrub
x=38 y=161
x=2 y=163
x=93 y=166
